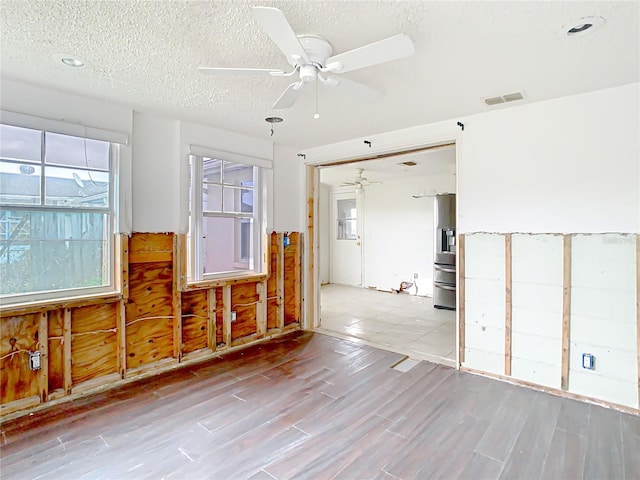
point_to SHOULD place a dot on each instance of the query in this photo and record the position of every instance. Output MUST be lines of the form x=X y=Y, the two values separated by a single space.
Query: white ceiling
x=436 y=161
x=146 y=53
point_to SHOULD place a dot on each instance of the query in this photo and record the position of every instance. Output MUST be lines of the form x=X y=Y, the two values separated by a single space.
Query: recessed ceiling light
x=69 y=60
x=273 y=119
x=583 y=26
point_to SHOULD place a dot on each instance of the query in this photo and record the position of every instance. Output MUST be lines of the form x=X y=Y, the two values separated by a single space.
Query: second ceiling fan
x=311 y=58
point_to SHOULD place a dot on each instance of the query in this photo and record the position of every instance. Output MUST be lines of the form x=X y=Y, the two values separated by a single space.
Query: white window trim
x=194 y=274
x=53 y=126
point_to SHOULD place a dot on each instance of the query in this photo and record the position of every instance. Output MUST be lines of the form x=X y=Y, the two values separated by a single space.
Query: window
x=57 y=215
x=225 y=216
x=347 y=219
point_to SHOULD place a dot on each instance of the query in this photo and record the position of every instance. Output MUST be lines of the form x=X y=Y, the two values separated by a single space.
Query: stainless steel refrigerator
x=444 y=264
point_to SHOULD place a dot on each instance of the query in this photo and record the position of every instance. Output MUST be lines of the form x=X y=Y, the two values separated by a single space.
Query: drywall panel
x=156 y=174
x=398 y=231
x=535 y=372
x=603 y=317
x=564 y=165
x=536 y=296
x=485 y=302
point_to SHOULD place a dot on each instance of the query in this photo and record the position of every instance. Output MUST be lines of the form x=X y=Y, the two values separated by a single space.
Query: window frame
x=112 y=210
x=258 y=217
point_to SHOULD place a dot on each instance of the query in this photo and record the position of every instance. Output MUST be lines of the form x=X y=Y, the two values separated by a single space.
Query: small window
x=347 y=219
x=226 y=219
x=57 y=216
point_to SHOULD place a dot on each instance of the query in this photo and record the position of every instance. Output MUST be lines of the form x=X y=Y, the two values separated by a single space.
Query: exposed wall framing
x=566 y=310
x=565 y=296
x=461 y=298
x=156 y=322
x=508 y=304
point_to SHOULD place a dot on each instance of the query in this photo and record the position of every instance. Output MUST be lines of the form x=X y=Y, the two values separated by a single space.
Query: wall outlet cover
x=588 y=361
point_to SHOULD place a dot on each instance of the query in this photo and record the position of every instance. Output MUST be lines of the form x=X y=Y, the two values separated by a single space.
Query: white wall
x=20 y=97
x=564 y=166
x=156 y=174
x=398 y=231
x=569 y=165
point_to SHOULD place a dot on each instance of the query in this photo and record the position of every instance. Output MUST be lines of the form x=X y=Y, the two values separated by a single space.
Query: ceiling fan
x=359 y=182
x=311 y=58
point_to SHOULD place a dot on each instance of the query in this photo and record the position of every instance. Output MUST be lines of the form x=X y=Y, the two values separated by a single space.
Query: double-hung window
x=226 y=218
x=57 y=215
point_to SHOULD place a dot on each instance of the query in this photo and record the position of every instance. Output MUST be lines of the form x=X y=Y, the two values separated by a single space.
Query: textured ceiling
x=145 y=54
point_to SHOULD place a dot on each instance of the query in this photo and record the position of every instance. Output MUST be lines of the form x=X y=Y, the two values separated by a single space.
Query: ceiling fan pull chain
x=316 y=115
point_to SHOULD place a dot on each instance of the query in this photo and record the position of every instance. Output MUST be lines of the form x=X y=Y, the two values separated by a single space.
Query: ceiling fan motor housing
x=318 y=49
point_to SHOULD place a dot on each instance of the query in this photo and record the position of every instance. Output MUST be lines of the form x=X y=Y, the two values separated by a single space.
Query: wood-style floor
x=317 y=407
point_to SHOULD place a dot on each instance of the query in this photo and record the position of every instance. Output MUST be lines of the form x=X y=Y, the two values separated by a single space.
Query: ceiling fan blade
x=240 y=71
x=353 y=89
x=276 y=25
x=392 y=48
x=289 y=96
x=348 y=184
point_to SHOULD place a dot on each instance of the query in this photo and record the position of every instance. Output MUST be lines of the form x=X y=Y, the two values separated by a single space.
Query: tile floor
x=398 y=322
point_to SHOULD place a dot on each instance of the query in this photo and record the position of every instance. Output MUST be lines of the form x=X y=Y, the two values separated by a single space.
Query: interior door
x=346 y=239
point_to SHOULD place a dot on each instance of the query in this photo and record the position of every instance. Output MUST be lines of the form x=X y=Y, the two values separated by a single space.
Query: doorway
x=388 y=300
x=346 y=239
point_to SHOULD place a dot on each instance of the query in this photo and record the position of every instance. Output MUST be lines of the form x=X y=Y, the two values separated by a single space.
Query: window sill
x=232 y=279
x=55 y=304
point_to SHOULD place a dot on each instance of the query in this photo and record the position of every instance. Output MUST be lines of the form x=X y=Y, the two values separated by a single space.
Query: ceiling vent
x=408 y=164
x=509 y=97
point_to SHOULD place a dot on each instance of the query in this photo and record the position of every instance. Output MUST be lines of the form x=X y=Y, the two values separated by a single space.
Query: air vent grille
x=509 y=97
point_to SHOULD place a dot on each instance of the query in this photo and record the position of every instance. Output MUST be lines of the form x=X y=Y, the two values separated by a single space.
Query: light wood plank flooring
x=317 y=407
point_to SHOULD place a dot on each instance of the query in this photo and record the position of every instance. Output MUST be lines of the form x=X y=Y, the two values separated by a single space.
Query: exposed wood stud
x=508 y=306
x=176 y=302
x=226 y=315
x=312 y=288
x=461 y=297
x=43 y=340
x=297 y=286
x=280 y=280
x=181 y=262
x=121 y=329
x=123 y=245
x=211 y=324
x=261 y=309
x=566 y=311
x=66 y=352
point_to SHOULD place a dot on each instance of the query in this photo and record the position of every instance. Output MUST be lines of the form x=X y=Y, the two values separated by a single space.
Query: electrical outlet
x=34 y=360
x=233 y=315
x=588 y=361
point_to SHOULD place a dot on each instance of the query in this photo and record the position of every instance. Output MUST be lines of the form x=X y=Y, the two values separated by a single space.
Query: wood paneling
x=293 y=279
x=99 y=340
x=219 y=316
x=151 y=248
x=18 y=336
x=56 y=350
x=274 y=281
x=244 y=299
x=94 y=342
x=149 y=308
x=195 y=319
